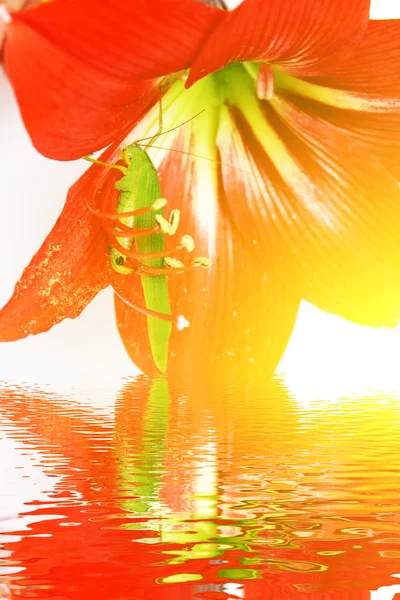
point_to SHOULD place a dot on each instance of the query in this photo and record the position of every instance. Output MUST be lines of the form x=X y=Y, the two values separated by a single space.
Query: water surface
x=199 y=493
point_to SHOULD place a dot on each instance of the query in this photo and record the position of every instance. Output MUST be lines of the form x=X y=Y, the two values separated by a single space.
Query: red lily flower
x=302 y=97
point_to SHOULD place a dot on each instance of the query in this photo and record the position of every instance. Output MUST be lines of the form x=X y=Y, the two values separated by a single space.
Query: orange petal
x=377 y=131
x=321 y=208
x=365 y=93
x=68 y=271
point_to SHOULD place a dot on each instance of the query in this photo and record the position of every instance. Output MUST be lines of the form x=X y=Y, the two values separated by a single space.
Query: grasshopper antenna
x=214 y=160
x=154 y=137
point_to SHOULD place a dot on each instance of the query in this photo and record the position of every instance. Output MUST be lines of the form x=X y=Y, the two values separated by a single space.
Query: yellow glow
x=328 y=357
x=205 y=482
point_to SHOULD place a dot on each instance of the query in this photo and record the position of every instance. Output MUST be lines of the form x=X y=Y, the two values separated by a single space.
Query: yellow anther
x=174 y=263
x=187 y=242
x=164 y=224
x=169 y=227
x=202 y=262
x=174 y=218
x=118 y=262
x=159 y=203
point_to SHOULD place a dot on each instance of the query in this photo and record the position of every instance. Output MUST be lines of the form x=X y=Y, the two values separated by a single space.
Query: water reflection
x=209 y=493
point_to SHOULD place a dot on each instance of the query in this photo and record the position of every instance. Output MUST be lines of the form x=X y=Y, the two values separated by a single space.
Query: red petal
x=143 y=38
x=75 y=65
x=240 y=315
x=327 y=212
x=369 y=107
x=373 y=67
x=69 y=108
x=67 y=272
x=301 y=36
x=378 y=131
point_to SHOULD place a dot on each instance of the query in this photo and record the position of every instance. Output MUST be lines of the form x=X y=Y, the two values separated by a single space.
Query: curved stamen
x=145 y=255
x=122 y=228
x=132 y=232
x=154 y=271
x=115 y=216
x=132 y=261
x=150 y=313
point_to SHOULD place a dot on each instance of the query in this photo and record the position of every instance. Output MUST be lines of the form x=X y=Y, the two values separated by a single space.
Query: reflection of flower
x=302 y=96
x=169 y=488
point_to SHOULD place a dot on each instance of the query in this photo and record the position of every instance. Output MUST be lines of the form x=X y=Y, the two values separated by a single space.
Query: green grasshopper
x=139 y=223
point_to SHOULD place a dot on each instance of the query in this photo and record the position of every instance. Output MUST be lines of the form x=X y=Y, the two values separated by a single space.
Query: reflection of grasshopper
x=140 y=473
x=199 y=534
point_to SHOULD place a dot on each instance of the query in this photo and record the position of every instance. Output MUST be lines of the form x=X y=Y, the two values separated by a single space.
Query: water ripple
x=219 y=492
